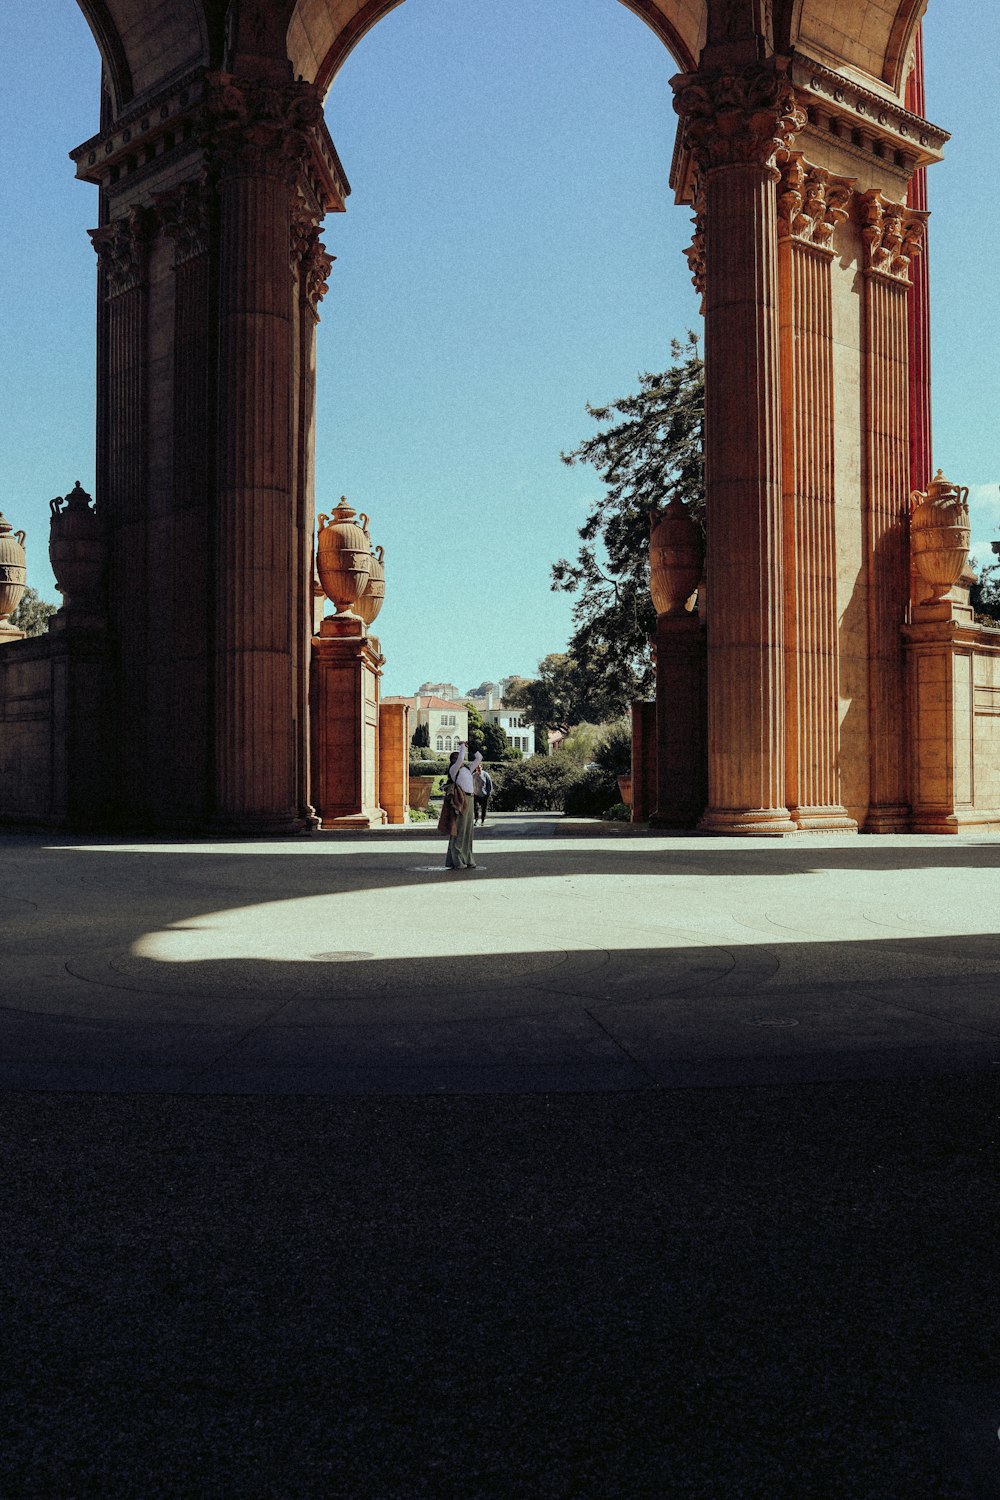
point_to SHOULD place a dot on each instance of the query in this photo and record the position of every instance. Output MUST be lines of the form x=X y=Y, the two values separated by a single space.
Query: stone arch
x=145 y=42
x=864 y=35
x=322 y=35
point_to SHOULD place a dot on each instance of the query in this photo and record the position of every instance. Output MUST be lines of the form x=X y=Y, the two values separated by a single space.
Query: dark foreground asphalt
x=787 y=1291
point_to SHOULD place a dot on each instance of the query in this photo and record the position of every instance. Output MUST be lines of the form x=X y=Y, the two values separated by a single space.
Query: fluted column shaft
x=734 y=124
x=812 y=203
x=891 y=236
x=746 y=780
x=255 y=760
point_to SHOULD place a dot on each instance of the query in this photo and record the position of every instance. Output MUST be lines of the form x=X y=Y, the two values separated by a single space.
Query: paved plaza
x=622 y=1165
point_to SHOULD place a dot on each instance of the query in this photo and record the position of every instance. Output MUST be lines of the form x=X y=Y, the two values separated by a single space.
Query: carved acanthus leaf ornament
x=121 y=250
x=184 y=216
x=892 y=234
x=311 y=261
x=731 y=119
x=811 y=201
x=259 y=128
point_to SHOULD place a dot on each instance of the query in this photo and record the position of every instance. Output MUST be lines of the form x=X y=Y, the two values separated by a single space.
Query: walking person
x=459 y=856
x=482 y=783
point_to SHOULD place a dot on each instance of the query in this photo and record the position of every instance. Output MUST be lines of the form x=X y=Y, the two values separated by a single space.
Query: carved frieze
x=811 y=201
x=743 y=118
x=892 y=234
x=184 y=214
x=121 y=250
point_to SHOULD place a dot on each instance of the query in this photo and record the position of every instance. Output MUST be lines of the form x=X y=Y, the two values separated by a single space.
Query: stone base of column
x=251 y=825
x=823 y=820
x=888 y=819
x=952 y=822
x=754 y=822
x=346 y=666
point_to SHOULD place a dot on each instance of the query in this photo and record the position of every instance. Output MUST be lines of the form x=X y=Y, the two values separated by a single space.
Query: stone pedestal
x=344 y=704
x=643 y=760
x=8 y=634
x=680 y=722
x=394 y=761
x=940 y=671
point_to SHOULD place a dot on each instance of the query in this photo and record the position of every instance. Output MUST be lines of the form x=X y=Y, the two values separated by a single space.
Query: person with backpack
x=482 y=783
x=457 y=809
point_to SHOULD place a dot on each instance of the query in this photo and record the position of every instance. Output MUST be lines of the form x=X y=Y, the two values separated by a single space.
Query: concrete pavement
x=359 y=965
x=621 y=1166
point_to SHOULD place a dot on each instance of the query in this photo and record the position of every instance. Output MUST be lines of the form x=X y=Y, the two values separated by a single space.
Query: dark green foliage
x=649 y=451
x=613 y=751
x=495 y=744
x=617 y=813
x=477 y=731
x=428 y=765
x=567 y=691
x=32 y=614
x=591 y=793
x=984 y=596
x=421 y=736
x=535 y=785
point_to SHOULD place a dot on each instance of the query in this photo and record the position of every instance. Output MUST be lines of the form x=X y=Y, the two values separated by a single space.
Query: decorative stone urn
x=343 y=558
x=370 y=602
x=940 y=533
x=13 y=569
x=675 y=559
x=76 y=547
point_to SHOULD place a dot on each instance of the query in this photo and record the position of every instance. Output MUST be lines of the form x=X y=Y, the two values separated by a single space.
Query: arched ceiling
x=145 y=43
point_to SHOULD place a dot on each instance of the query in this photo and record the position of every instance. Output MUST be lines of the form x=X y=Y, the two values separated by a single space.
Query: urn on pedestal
x=343 y=558
x=939 y=534
x=12 y=572
x=675 y=559
x=370 y=602
x=76 y=548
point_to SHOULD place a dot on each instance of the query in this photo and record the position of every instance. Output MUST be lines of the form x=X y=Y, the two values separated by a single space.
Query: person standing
x=482 y=781
x=459 y=856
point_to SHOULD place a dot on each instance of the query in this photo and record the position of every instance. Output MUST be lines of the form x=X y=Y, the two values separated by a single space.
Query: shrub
x=613 y=751
x=535 y=785
x=591 y=793
x=617 y=813
x=429 y=765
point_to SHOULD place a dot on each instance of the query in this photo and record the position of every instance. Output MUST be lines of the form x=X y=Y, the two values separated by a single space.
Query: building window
x=447 y=742
x=440 y=743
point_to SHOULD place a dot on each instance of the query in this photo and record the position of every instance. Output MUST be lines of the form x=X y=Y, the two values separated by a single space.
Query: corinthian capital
x=743 y=118
x=184 y=214
x=311 y=261
x=262 y=128
x=121 y=249
x=811 y=201
x=892 y=235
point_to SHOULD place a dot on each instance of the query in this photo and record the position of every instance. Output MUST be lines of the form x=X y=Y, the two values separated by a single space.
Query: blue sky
x=510 y=251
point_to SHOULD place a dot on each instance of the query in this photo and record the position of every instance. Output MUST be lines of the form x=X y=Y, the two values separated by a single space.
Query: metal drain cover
x=341 y=958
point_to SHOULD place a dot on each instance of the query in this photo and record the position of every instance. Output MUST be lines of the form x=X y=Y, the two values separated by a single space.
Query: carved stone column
x=891 y=235
x=811 y=202
x=122 y=247
x=311 y=266
x=258 y=137
x=182 y=523
x=734 y=123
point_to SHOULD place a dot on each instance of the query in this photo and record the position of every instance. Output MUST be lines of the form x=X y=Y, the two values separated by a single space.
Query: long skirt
x=459 y=856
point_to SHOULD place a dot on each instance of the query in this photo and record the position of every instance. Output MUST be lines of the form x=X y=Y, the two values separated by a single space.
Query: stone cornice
x=193 y=114
x=863 y=120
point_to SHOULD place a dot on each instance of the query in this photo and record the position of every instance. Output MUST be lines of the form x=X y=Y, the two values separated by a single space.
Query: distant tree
x=421 y=735
x=496 y=746
x=477 y=730
x=568 y=689
x=32 y=614
x=984 y=596
x=650 y=450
